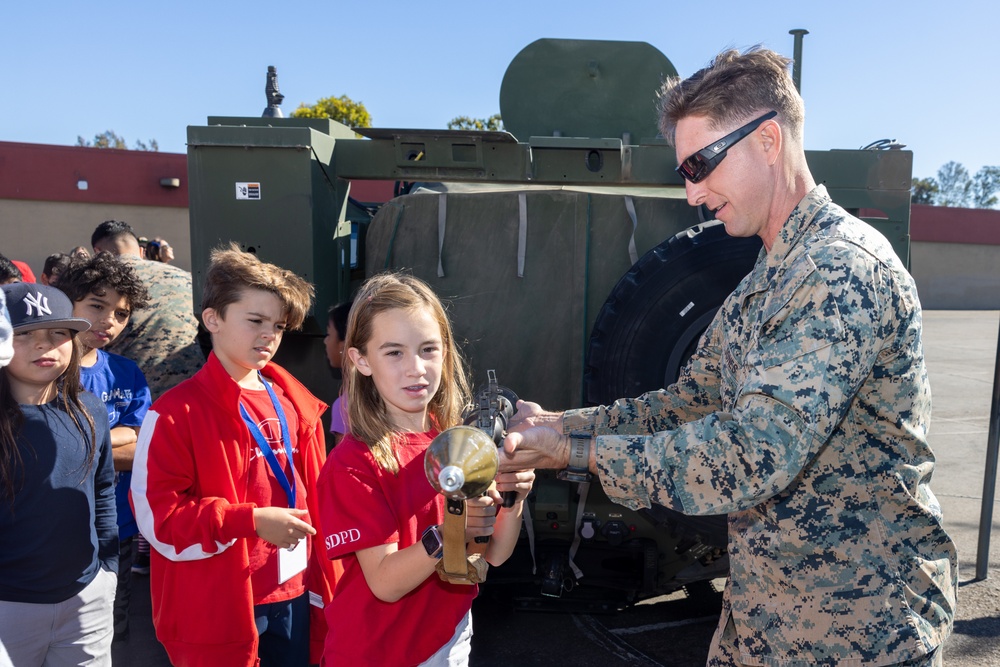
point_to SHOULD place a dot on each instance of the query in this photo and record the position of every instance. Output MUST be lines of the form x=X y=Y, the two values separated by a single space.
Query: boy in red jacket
x=224 y=484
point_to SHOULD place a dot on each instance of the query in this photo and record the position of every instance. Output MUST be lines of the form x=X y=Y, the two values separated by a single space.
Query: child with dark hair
x=55 y=264
x=9 y=273
x=104 y=291
x=336 y=332
x=158 y=250
x=224 y=484
x=59 y=558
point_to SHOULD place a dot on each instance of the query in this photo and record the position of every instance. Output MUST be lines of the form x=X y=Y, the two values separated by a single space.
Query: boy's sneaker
x=141 y=563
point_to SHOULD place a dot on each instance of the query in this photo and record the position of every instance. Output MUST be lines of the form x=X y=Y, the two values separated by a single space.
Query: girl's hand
x=519 y=481
x=481 y=515
x=281 y=526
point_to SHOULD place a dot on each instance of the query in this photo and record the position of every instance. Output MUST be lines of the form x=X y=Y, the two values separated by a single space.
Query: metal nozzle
x=451 y=479
x=461 y=462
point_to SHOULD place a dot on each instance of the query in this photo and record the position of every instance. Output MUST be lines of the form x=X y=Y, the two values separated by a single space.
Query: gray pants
x=77 y=631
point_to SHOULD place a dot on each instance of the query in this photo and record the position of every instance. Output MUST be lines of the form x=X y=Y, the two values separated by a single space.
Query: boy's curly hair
x=100 y=273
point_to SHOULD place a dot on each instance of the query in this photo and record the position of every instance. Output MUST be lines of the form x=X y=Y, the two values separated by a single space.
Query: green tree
x=985 y=184
x=954 y=184
x=493 y=124
x=923 y=191
x=111 y=139
x=341 y=109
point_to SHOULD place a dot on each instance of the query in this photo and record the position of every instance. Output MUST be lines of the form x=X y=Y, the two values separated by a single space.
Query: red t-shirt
x=364 y=506
x=264 y=490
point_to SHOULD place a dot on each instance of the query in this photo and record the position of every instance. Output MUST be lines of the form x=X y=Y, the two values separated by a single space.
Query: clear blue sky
x=920 y=72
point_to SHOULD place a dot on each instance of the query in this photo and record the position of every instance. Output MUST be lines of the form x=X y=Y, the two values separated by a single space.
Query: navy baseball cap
x=35 y=306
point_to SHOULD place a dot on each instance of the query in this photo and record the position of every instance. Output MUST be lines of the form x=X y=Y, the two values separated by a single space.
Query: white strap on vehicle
x=442 y=215
x=522 y=231
x=527 y=518
x=583 y=488
x=630 y=207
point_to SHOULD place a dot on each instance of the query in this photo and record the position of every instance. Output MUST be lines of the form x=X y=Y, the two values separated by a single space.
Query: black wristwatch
x=432 y=541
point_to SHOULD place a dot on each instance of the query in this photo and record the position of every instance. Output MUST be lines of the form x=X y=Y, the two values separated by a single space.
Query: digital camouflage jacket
x=803 y=415
x=162 y=338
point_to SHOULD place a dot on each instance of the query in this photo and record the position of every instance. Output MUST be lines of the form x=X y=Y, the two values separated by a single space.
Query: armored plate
x=583 y=88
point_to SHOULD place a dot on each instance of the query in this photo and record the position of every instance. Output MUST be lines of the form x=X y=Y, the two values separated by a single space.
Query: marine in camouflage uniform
x=161 y=339
x=803 y=414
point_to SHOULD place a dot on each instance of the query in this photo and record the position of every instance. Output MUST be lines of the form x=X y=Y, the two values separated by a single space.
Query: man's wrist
x=583 y=420
x=578 y=469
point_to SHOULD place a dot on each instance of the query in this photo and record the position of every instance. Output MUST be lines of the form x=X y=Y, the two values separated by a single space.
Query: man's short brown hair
x=231 y=271
x=734 y=89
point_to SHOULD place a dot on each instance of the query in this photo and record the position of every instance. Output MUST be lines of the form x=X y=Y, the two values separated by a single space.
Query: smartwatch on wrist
x=433 y=542
x=578 y=469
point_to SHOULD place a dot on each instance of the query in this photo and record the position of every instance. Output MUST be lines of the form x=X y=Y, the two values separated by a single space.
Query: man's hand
x=534 y=440
x=281 y=526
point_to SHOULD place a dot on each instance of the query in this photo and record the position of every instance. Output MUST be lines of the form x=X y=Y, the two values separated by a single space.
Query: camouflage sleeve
x=693 y=396
x=787 y=384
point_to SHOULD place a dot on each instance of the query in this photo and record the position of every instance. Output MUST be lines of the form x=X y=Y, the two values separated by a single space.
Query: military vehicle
x=571 y=260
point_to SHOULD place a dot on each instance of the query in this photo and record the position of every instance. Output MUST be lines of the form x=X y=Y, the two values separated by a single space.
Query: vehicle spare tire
x=651 y=322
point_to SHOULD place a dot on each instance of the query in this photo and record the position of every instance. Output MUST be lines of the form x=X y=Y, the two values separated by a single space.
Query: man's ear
x=359 y=361
x=210 y=317
x=771 y=140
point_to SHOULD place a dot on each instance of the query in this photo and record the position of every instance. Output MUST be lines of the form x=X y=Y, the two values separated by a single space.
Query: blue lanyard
x=265 y=447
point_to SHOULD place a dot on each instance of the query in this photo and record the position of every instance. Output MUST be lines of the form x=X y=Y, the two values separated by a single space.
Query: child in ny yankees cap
x=223 y=484
x=57 y=501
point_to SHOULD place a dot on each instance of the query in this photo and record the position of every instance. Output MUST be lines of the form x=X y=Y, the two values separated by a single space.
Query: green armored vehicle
x=565 y=247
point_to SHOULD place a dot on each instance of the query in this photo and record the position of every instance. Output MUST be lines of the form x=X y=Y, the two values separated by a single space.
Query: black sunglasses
x=697 y=167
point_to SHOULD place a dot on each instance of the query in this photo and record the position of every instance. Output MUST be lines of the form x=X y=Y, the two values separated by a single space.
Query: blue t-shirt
x=122 y=387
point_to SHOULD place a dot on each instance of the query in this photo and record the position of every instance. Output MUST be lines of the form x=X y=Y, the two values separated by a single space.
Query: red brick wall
x=38 y=172
x=937 y=224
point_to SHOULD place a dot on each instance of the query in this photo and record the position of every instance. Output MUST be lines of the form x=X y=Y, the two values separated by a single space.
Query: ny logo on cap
x=39 y=303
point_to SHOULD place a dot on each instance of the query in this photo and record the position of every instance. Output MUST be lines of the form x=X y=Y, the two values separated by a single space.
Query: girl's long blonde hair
x=368 y=419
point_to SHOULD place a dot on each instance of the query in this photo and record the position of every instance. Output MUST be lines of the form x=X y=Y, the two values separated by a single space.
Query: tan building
x=955 y=257
x=52 y=198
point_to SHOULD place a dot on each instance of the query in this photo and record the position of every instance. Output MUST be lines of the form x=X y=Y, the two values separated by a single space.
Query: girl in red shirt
x=405 y=382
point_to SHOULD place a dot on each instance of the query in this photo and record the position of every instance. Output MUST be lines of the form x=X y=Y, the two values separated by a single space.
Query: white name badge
x=291 y=561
